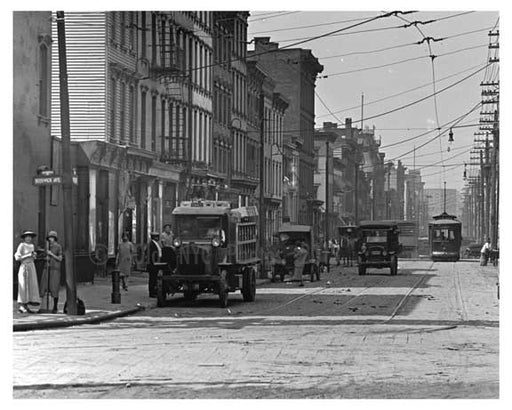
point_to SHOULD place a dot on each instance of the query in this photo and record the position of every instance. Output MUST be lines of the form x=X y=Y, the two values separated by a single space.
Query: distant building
x=294 y=71
x=435 y=200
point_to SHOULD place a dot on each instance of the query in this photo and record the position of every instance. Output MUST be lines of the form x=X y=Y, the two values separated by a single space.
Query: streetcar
x=445 y=237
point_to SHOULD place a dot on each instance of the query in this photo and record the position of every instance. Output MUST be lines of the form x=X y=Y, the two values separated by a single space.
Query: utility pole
x=356 y=193
x=487 y=188
x=326 y=222
x=482 y=196
x=495 y=182
x=362 y=110
x=67 y=180
x=262 y=182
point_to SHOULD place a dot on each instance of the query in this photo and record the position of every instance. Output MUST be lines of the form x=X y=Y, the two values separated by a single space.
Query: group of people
x=30 y=291
x=160 y=250
x=343 y=250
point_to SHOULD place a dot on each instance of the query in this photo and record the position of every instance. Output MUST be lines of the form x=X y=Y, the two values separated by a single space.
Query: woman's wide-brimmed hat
x=52 y=234
x=28 y=233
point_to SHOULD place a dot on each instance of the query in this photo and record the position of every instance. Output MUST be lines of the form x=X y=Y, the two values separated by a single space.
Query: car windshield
x=202 y=227
x=375 y=236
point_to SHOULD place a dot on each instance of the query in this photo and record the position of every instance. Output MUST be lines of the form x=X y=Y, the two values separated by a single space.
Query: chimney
x=264 y=44
x=348 y=123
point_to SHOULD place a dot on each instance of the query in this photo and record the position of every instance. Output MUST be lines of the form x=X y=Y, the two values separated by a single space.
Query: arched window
x=44 y=81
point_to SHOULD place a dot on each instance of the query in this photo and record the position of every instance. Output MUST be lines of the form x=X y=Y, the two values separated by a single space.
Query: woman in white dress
x=28 y=288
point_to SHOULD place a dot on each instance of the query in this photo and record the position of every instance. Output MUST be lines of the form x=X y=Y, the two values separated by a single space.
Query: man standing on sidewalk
x=154 y=256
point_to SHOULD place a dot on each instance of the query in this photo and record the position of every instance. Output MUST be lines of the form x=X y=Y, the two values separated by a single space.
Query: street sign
x=48 y=180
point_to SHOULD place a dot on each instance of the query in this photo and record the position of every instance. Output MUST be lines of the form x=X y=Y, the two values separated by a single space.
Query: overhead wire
x=403 y=92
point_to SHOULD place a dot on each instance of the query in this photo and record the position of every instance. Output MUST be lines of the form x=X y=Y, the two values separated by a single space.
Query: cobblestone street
x=430 y=332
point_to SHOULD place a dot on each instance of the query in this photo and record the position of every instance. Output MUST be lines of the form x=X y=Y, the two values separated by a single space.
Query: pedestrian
x=28 y=289
x=154 y=257
x=484 y=252
x=50 y=280
x=299 y=261
x=167 y=236
x=124 y=259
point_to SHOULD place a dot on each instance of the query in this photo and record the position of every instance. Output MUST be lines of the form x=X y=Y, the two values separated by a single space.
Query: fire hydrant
x=116 y=279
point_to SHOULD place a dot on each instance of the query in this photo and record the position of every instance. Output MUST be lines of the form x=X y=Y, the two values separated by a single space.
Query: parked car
x=472 y=251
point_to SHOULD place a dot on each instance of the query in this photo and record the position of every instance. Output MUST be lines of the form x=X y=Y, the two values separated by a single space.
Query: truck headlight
x=216 y=242
x=177 y=243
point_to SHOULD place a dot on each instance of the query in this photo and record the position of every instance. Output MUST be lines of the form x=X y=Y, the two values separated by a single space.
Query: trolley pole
x=67 y=180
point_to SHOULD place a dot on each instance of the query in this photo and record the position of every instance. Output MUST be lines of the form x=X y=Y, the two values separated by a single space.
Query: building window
x=170 y=129
x=162 y=122
x=143 y=39
x=123 y=28
x=153 y=123
x=132 y=114
x=122 y=113
x=114 y=23
x=43 y=80
x=153 y=39
x=113 y=111
x=143 y=119
x=132 y=31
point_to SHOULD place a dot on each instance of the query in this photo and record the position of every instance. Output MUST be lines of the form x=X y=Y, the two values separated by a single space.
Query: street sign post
x=47 y=180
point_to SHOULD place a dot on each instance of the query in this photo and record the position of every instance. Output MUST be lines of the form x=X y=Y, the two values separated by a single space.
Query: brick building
x=294 y=71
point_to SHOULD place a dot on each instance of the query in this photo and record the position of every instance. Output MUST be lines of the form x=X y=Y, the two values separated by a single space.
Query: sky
x=350 y=59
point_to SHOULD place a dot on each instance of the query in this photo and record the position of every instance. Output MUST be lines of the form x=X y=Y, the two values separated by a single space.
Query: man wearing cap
x=50 y=280
x=154 y=256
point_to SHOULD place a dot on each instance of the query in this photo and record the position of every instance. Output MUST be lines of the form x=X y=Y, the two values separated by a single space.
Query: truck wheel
x=249 y=285
x=362 y=270
x=223 y=290
x=394 y=265
x=190 y=295
x=274 y=274
x=161 y=295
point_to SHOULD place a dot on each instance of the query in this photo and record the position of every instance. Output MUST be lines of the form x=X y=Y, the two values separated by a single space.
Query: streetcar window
x=444 y=234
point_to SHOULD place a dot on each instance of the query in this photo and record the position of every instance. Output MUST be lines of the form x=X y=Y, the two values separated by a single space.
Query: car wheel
x=190 y=295
x=394 y=266
x=362 y=270
x=223 y=290
x=249 y=285
x=161 y=295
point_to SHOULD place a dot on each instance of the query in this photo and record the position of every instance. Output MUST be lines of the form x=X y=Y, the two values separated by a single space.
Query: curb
x=52 y=324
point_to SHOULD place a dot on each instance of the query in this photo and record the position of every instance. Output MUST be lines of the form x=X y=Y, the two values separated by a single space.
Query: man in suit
x=154 y=257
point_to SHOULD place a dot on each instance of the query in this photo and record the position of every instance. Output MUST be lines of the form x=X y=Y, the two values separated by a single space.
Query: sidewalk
x=98 y=306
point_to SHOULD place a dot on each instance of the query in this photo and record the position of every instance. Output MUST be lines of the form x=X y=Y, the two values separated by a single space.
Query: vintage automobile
x=379 y=246
x=472 y=251
x=289 y=236
x=216 y=252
